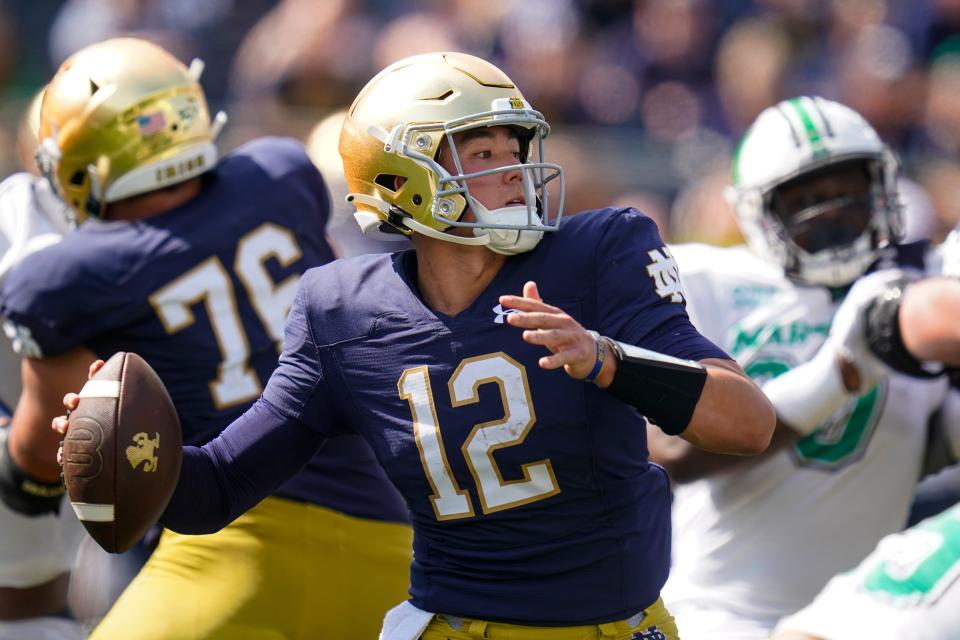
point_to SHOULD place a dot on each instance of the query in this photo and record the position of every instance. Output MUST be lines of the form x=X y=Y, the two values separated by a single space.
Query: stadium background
x=647 y=98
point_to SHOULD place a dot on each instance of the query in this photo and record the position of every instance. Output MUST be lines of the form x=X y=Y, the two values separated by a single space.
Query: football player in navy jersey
x=192 y=262
x=515 y=435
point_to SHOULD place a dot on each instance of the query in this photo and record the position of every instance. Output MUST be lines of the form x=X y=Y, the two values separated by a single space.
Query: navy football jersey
x=531 y=494
x=201 y=292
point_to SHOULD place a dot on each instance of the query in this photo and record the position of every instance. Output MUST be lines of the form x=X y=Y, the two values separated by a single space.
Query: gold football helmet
x=120 y=118
x=394 y=129
x=28 y=132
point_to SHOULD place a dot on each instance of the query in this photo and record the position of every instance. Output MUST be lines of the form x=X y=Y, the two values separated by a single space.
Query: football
x=122 y=452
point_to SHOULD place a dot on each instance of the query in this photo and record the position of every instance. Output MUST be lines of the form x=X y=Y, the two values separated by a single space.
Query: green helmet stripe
x=809 y=127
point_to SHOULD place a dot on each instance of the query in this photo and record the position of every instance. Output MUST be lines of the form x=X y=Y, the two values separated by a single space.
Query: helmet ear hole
x=389 y=182
x=77 y=178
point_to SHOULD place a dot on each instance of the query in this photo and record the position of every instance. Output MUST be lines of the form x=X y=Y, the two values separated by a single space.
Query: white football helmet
x=799 y=139
x=393 y=131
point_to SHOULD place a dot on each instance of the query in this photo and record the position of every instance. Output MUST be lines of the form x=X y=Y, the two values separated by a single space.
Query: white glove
x=847 y=331
x=808 y=394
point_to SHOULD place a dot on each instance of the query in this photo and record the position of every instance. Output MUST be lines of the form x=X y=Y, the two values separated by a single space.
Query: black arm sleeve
x=664 y=389
x=883 y=335
x=256 y=454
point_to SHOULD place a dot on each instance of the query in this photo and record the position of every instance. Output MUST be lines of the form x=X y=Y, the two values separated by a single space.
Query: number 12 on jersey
x=449 y=501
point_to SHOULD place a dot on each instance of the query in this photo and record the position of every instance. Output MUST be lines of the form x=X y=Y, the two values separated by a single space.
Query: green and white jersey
x=760 y=540
x=907 y=588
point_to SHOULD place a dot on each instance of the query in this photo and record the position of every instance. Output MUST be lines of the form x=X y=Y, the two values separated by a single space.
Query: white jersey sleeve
x=907 y=588
x=31 y=218
x=32 y=550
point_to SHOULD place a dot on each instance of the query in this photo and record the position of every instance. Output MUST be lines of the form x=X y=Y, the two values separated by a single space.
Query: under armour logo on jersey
x=665 y=274
x=651 y=633
x=502 y=313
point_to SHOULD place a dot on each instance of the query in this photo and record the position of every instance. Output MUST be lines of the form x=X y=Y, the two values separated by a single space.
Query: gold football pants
x=655 y=623
x=282 y=571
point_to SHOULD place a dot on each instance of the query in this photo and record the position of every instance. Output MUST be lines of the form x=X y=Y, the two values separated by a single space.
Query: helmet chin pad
x=835 y=267
x=508 y=241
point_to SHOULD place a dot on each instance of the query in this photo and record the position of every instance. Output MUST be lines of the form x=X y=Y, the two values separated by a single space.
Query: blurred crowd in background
x=647 y=98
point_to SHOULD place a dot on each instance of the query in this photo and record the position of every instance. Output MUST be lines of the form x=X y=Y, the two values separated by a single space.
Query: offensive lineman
x=192 y=261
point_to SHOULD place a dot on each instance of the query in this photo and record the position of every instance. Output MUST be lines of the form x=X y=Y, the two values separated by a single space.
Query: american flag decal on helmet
x=151 y=123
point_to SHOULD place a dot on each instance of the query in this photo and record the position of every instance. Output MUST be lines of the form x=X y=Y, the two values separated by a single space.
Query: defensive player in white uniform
x=756 y=540
x=36 y=552
x=908 y=587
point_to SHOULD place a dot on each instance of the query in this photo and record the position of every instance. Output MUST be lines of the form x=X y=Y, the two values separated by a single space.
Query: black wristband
x=22 y=493
x=883 y=336
x=664 y=389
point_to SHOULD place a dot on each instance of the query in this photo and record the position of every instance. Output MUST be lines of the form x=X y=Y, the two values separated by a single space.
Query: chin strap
x=413 y=225
x=476 y=241
x=664 y=389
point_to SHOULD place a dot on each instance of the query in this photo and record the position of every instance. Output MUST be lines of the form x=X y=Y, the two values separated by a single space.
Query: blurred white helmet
x=827 y=241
